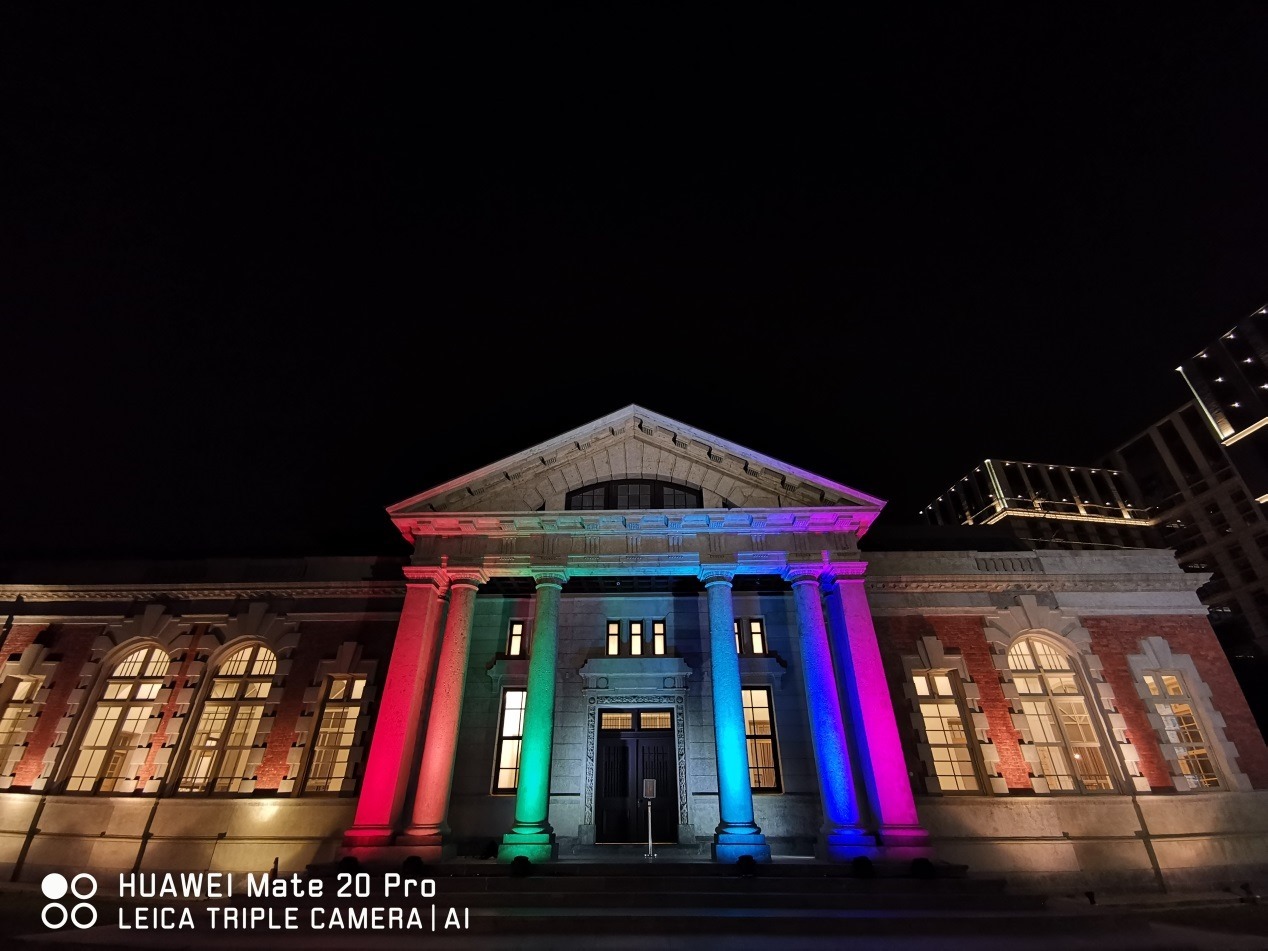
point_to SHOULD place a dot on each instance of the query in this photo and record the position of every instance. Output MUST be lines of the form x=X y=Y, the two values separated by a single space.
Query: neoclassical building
x=633 y=624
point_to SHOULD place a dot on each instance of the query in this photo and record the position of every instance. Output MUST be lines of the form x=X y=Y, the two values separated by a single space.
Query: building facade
x=636 y=623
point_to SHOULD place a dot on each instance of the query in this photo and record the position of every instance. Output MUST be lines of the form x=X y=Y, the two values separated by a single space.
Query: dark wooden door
x=625 y=758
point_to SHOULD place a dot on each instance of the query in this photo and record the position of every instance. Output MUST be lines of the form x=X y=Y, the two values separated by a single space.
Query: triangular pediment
x=634 y=443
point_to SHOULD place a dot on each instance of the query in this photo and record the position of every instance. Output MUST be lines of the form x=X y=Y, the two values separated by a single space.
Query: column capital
x=557 y=577
x=840 y=571
x=417 y=576
x=472 y=576
x=716 y=574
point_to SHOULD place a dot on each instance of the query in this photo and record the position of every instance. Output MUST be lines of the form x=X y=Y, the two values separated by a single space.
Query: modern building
x=1229 y=379
x=1049 y=506
x=1206 y=512
x=633 y=622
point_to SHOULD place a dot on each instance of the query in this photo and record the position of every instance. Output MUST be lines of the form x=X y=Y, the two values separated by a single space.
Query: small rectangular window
x=506 y=777
x=515 y=640
x=750 y=637
x=616 y=721
x=942 y=722
x=636 y=638
x=614 y=638
x=658 y=638
x=655 y=720
x=1182 y=732
x=759 y=730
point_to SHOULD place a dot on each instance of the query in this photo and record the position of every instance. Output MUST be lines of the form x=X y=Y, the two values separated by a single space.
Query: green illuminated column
x=737 y=834
x=531 y=835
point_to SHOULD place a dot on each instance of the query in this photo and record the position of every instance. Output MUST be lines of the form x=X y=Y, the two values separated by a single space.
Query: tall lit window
x=336 y=735
x=506 y=775
x=220 y=751
x=636 y=638
x=18 y=696
x=1060 y=722
x=750 y=636
x=658 y=638
x=1181 y=730
x=614 y=638
x=759 y=730
x=515 y=640
x=943 y=723
x=118 y=726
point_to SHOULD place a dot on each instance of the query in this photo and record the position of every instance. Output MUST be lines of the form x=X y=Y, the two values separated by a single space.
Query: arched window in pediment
x=627 y=494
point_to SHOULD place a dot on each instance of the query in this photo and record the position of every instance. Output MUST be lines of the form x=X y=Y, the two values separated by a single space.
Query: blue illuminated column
x=841 y=836
x=737 y=835
x=531 y=835
x=871 y=709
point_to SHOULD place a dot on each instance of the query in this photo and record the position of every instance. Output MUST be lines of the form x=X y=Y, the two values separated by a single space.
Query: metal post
x=650 y=854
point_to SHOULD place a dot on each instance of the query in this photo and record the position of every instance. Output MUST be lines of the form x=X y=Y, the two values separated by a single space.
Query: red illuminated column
x=435 y=776
x=875 y=730
x=395 y=739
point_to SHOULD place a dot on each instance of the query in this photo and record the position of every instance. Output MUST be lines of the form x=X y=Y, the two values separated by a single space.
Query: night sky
x=266 y=272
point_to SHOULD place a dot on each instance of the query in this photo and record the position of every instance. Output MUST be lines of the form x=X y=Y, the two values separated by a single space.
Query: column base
x=905 y=842
x=846 y=844
x=730 y=847
x=534 y=846
x=365 y=836
x=429 y=846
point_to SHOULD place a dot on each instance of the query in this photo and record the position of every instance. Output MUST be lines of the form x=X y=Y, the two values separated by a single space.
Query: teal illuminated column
x=531 y=835
x=401 y=705
x=737 y=834
x=841 y=836
x=428 y=829
x=884 y=767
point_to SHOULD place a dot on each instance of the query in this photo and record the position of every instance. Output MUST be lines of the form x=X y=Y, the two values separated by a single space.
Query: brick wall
x=1115 y=637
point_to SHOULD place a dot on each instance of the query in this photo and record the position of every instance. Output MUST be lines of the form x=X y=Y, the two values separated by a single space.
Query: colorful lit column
x=841 y=836
x=428 y=830
x=737 y=834
x=872 y=712
x=531 y=835
x=394 y=745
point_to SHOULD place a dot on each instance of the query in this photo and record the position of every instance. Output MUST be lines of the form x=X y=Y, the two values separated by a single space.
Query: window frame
x=352 y=700
x=512 y=649
x=207 y=785
x=133 y=708
x=953 y=696
x=1156 y=696
x=660 y=639
x=744 y=645
x=610 y=493
x=1056 y=718
x=24 y=709
x=495 y=785
x=751 y=737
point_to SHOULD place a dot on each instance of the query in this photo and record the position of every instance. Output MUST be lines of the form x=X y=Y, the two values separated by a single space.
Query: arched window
x=220 y=752
x=114 y=744
x=1061 y=724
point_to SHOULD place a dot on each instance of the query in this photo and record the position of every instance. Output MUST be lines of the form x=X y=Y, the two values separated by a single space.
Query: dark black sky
x=264 y=273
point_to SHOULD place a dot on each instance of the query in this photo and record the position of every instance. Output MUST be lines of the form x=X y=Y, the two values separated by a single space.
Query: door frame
x=667 y=700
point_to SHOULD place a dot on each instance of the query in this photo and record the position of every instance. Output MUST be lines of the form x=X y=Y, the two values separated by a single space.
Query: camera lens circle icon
x=55 y=886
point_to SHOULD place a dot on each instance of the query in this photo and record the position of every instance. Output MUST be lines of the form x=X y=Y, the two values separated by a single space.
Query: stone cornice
x=202 y=592
x=1180 y=581
x=754 y=521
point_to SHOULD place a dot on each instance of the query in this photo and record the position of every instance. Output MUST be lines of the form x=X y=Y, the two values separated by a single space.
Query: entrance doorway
x=635 y=745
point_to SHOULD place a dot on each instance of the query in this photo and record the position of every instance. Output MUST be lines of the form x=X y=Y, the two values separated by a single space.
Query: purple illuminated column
x=841 y=836
x=531 y=835
x=871 y=709
x=737 y=834
x=428 y=829
x=404 y=697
